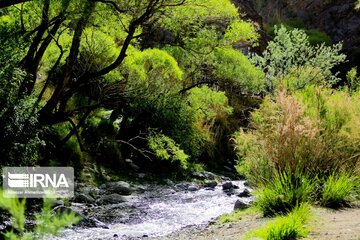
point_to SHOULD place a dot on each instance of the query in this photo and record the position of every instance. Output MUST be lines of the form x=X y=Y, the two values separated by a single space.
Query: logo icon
x=18 y=180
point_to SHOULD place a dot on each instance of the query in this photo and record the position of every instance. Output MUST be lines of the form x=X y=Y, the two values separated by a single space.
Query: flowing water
x=163 y=211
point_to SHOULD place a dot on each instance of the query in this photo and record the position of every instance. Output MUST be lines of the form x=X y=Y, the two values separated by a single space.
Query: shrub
x=19 y=127
x=313 y=132
x=252 y=162
x=166 y=149
x=353 y=80
x=291 y=50
x=284 y=193
x=47 y=222
x=337 y=190
x=292 y=226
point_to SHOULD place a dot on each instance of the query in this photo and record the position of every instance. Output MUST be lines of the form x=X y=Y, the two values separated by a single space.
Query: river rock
x=67 y=210
x=57 y=203
x=169 y=182
x=227 y=185
x=91 y=222
x=182 y=186
x=132 y=165
x=210 y=183
x=111 y=199
x=203 y=175
x=209 y=175
x=84 y=198
x=245 y=193
x=239 y=205
x=120 y=187
x=198 y=175
x=193 y=188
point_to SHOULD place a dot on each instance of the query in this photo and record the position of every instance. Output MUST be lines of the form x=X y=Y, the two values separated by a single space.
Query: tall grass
x=288 y=227
x=302 y=143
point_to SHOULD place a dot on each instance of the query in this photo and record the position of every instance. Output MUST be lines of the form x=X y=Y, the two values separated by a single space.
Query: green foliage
x=283 y=193
x=48 y=223
x=192 y=16
x=210 y=106
x=252 y=161
x=316 y=37
x=152 y=72
x=313 y=131
x=70 y=153
x=337 y=190
x=353 y=80
x=19 y=132
x=300 y=139
x=291 y=50
x=166 y=149
x=292 y=226
x=357 y=5
x=233 y=67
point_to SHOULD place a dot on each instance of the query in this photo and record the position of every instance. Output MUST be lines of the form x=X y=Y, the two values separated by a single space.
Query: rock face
x=338 y=18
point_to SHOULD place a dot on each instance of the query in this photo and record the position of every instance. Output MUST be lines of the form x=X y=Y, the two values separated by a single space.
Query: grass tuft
x=337 y=190
x=288 y=227
x=284 y=193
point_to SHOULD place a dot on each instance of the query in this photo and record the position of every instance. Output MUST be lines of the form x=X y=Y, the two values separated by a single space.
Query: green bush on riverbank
x=302 y=143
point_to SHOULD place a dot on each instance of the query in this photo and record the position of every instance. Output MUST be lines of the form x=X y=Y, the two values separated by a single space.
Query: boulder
x=227 y=185
x=84 y=198
x=239 y=205
x=209 y=175
x=111 y=199
x=57 y=203
x=182 y=186
x=91 y=222
x=193 y=188
x=198 y=175
x=120 y=187
x=245 y=193
x=67 y=210
x=210 y=183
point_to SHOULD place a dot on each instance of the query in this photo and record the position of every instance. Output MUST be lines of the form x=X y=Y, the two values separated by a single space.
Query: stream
x=161 y=210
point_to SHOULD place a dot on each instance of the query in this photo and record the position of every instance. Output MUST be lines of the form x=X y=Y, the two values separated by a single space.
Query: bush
x=291 y=50
x=337 y=190
x=47 y=222
x=166 y=149
x=284 y=193
x=288 y=227
x=19 y=127
x=313 y=132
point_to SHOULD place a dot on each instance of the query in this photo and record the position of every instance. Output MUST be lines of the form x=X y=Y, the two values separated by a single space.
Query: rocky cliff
x=337 y=18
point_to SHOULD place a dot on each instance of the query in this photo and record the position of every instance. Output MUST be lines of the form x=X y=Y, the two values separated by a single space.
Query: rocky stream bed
x=119 y=210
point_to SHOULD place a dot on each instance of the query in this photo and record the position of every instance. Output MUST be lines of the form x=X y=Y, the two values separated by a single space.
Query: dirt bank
x=327 y=224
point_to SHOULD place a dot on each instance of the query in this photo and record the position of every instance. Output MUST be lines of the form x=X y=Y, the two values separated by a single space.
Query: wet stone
x=246 y=193
x=227 y=185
